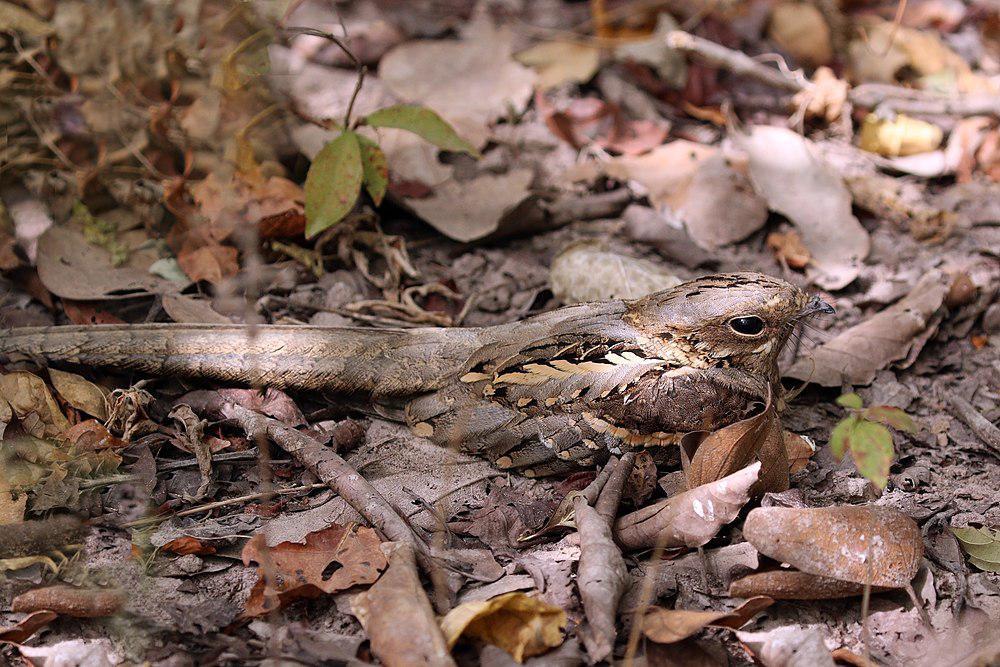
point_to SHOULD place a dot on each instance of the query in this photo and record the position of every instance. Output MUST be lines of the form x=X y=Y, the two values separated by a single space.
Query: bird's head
x=739 y=320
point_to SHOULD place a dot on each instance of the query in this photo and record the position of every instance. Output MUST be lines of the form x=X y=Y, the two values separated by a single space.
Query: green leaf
x=871 y=448
x=982 y=545
x=375 y=167
x=891 y=416
x=850 y=400
x=422 y=122
x=839 y=438
x=333 y=183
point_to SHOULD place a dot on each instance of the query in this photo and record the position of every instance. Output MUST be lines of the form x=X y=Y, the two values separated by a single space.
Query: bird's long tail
x=389 y=363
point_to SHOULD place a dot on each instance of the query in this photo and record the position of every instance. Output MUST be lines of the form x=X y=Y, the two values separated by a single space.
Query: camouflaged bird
x=541 y=396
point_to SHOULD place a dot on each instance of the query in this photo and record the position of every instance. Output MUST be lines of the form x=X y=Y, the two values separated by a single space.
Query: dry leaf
x=667 y=626
x=855 y=356
x=211 y=262
x=470 y=210
x=787 y=172
x=825 y=98
x=730 y=449
x=71 y=268
x=470 y=82
x=788 y=248
x=562 y=62
x=27 y=626
x=790 y=646
x=398 y=618
x=187 y=310
x=602 y=578
x=518 y=623
x=81 y=393
x=862 y=544
x=793 y=585
x=799 y=450
x=670 y=64
x=31 y=401
x=982 y=545
x=288 y=571
x=666 y=172
x=275 y=204
x=587 y=271
x=898 y=136
x=92 y=436
x=689 y=519
x=800 y=30
x=721 y=206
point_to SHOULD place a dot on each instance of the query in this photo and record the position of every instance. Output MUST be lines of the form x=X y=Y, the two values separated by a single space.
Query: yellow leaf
x=561 y=62
x=900 y=136
x=516 y=622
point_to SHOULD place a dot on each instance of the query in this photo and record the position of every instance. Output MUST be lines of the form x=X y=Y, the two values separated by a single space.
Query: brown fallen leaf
x=689 y=519
x=666 y=172
x=788 y=248
x=730 y=449
x=81 y=393
x=789 y=174
x=800 y=30
x=275 y=205
x=212 y=262
x=667 y=626
x=587 y=271
x=721 y=206
x=518 y=623
x=398 y=618
x=861 y=544
x=92 y=436
x=27 y=626
x=32 y=403
x=288 y=571
x=470 y=82
x=855 y=355
x=793 y=585
x=71 y=268
x=799 y=451
x=188 y=545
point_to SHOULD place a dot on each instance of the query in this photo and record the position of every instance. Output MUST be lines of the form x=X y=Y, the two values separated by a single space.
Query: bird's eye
x=748 y=325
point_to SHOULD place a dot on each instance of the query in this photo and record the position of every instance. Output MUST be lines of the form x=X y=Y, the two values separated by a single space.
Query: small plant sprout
x=864 y=432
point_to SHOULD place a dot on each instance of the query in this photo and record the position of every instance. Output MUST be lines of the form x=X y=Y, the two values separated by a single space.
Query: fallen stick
x=870 y=95
x=977 y=423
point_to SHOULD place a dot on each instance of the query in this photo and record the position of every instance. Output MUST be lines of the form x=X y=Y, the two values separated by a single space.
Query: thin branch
x=977 y=423
x=358 y=65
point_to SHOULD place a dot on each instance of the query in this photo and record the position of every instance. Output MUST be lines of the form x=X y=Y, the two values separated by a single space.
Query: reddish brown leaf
x=92 y=435
x=27 y=626
x=188 y=545
x=793 y=585
x=209 y=262
x=86 y=312
x=666 y=626
x=331 y=560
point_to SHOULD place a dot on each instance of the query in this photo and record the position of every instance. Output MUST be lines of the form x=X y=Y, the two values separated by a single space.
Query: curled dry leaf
x=92 y=436
x=689 y=519
x=788 y=248
x=601 y=578
x=861 y=544
x=788 y=173
x=587 y=271
x=81 y=393
x=898 y=136
x=666 y=171
x=518 y=623
x=289 y=570
x=398 y=618
x=855 y=356
x=70 y=601
x=32 y=403
x=274 y=204
x=799 y=450
x=724 y=452
x=792 y=585
x=27 y=626
x=667 y=626
x=721 y=206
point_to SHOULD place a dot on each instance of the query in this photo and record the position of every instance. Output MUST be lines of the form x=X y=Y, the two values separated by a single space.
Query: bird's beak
x=817 y=305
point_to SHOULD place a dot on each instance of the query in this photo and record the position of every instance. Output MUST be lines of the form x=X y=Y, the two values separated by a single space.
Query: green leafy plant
x=864 y=432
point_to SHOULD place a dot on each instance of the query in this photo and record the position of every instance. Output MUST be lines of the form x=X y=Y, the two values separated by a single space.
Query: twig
x=736 y=62
x=869 y=95
x=358 y=65
x=207 y=507
x=979 y=424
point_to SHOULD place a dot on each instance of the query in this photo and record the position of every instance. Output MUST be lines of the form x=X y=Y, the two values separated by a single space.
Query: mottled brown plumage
x=542 y=395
